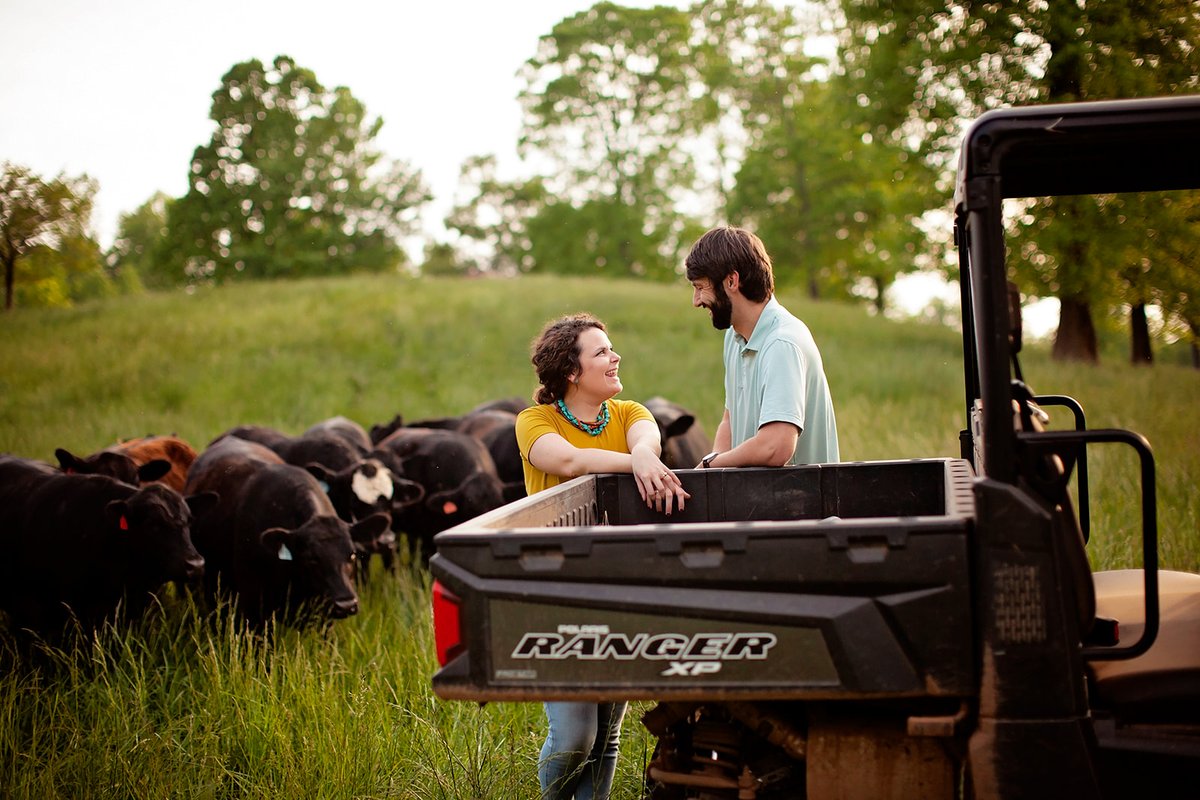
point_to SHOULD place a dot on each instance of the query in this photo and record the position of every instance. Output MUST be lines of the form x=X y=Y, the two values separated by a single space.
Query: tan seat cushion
x=1167 y=677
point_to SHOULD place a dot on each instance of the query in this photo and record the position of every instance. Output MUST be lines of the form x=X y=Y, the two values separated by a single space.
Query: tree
x=607 y=101
x=290 y=184
x=136 y=255
x=497 y=214
x=39 y=218
x=921 y=72
x=835 y=205
x=443 y=260
x=1162 y=265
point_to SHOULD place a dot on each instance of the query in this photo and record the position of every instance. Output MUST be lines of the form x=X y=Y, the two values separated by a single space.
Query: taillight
x=447 y=633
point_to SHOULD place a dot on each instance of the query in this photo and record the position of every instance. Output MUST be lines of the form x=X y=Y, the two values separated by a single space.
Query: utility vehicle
x=925 y=628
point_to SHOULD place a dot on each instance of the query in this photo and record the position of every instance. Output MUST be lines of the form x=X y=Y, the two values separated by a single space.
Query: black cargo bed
x=805 y=582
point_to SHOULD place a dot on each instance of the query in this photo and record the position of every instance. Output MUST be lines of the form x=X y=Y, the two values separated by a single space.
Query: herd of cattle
x=279 y=522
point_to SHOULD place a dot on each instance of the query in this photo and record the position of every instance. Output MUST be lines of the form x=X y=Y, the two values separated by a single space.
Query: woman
x=576 y=429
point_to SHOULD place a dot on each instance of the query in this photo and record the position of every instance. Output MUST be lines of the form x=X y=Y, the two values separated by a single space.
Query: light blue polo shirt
x=778 y=376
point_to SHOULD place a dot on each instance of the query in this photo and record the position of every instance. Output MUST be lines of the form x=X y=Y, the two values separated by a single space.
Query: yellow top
x=535 y=422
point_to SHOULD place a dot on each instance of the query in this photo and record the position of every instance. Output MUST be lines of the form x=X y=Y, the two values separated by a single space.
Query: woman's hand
x=658 y=486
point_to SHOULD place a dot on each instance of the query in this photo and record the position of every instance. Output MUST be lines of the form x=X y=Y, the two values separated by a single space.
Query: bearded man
x=778 y=408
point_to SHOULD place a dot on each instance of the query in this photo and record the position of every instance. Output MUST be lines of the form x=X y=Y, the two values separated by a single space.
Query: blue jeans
x=579 y=757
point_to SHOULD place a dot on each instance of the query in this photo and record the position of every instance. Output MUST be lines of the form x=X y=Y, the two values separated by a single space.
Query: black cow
x=684 y=439
x=346 y=428
x=80 y=545
x=455 y=469
x=275 y=537
x=496 y=428
x=224 y=467
x=357 y=485
x=513 y=405
x=481 y=421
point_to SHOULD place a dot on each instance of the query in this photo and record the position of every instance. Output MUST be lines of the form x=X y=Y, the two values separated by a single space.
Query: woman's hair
x=555 y=354
x=724 y=250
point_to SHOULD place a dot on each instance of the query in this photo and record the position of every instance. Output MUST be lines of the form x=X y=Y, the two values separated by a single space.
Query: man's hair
x=722 y=251
x=555 y=354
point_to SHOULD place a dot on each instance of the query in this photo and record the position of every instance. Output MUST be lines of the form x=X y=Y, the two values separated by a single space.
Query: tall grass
x=178 y=706
x=186 y=707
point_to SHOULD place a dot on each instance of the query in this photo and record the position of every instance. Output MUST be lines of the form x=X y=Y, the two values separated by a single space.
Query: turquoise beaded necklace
x=591 y=430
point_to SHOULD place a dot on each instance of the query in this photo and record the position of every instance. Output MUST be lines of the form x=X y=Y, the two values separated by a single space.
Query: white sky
x=121 y=89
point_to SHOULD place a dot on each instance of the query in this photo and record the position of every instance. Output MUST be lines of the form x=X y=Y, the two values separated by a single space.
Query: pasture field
x=177 y=706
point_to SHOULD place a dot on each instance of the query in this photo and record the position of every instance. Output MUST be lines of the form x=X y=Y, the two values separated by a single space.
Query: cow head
x=365 y=488
x=373 y=535
x=113 y=464
x=684 y=441
x=318 y=561
x=153 y=528
x=479 y=493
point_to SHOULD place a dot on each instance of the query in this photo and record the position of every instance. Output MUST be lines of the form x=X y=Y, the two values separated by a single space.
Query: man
x=778 y=410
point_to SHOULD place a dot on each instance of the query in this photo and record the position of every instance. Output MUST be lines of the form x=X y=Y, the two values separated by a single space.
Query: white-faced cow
x=77 y=546
x=279 y=544
x=357 y=485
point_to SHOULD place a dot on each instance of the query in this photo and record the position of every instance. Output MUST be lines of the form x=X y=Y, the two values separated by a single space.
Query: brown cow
x=135 y=461
x=178 y=453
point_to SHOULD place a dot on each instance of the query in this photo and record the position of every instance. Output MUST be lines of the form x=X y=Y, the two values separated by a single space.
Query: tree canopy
x=608 y=102
x=45 y=224
x=648 y=125
x=290 y=184
x=920 y=73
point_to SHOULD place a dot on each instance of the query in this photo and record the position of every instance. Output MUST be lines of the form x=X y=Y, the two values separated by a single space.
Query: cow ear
x=200 y=504
x=67 y=461
x=443 y=502
x=680 y=425
x=116 y=515
x=153 y=470
x=323 y=476
x=381 y=432
x=405 y=492
x=276 y=540
x=371 y=528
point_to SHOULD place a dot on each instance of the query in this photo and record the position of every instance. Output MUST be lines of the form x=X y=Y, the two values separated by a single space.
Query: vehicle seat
x=1164 y=682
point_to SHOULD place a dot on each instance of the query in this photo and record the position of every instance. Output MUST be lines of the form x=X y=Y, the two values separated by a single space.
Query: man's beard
x=721 y=309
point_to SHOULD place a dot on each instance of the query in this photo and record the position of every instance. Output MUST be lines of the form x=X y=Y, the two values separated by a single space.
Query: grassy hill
x=288 y=354
x=182 y=707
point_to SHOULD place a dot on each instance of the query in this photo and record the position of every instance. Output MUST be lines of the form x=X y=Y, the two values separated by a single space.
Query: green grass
x=176 y=707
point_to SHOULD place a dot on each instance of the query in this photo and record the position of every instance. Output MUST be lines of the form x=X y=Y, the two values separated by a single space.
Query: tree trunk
x=10 y=264
x=1076 y=337
x=1139 y=329
x=1195 y=345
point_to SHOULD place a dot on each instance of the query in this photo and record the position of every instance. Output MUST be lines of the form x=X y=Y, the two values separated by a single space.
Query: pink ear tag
x=123 y=524
x=448 y=507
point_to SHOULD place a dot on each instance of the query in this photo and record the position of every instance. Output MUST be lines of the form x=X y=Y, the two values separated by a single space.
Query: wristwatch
x=707 y=460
